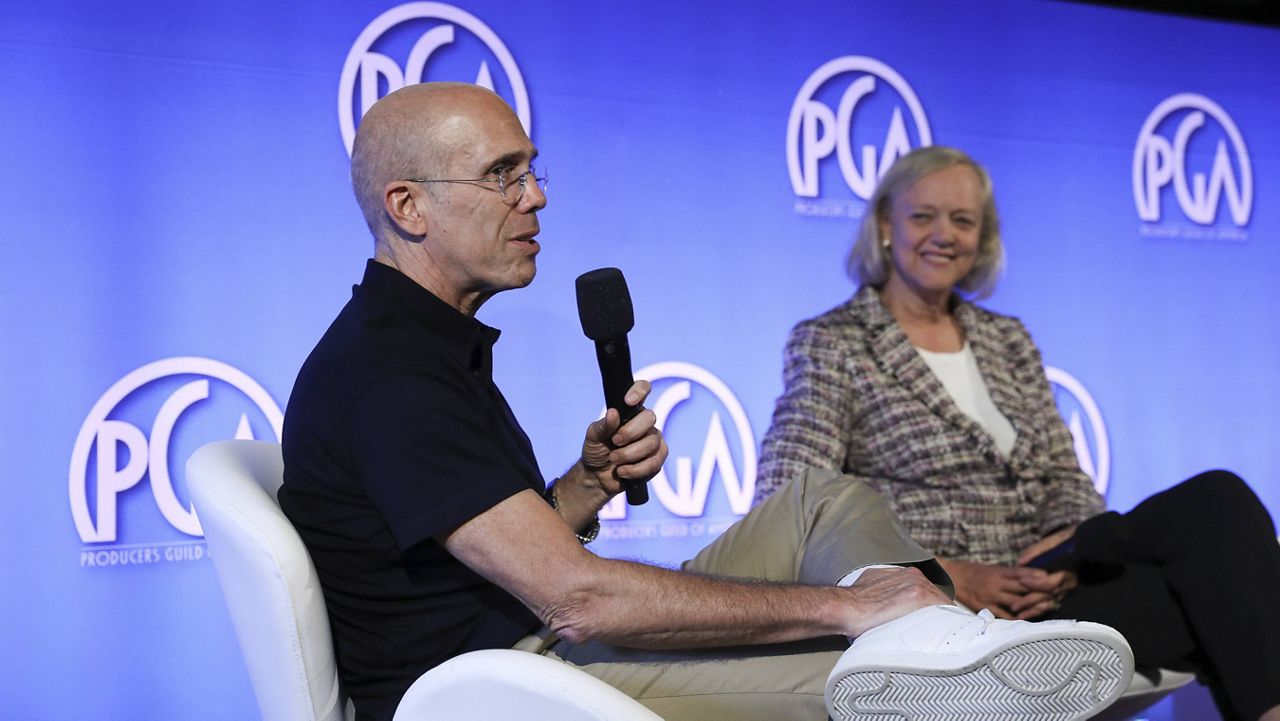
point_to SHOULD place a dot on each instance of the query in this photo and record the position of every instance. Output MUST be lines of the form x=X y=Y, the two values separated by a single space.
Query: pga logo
x=123 y=453
x=436 y=41
x=687 y=394
x=1159 y=160
x=1092 y=447
x=815 y=130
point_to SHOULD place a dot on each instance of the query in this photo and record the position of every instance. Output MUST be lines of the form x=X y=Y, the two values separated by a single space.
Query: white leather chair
x=278 y=612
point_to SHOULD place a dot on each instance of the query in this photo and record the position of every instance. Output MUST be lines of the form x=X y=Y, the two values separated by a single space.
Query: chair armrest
x=503 y=683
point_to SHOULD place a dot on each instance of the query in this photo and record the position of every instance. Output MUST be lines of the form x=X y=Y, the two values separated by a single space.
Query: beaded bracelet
x=593 y=528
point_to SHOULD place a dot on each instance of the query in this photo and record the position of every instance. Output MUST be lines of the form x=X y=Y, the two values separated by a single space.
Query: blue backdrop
x=179 y=230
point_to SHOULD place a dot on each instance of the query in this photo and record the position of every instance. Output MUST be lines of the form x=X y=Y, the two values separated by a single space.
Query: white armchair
x=278 y=612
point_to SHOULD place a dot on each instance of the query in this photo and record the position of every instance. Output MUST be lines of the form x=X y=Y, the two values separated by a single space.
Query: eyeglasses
x=504 y=183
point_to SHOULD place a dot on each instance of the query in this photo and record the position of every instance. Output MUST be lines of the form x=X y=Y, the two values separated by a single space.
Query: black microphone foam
x=604 y=304
x=604 y=308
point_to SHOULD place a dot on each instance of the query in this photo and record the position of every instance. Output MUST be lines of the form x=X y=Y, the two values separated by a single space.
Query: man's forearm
x=522 y=545
x=635 y=604
x=642 y=606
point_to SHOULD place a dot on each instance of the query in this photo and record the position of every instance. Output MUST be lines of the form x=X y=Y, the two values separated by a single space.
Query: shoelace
x=987 y=619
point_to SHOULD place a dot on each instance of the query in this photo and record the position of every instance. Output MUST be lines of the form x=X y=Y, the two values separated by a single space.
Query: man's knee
x=820 y=487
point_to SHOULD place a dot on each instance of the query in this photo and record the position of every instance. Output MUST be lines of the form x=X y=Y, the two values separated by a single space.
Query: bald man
x=434 y=533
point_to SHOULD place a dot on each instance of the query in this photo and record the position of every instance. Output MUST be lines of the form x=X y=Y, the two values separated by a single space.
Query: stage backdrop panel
x=179 y=230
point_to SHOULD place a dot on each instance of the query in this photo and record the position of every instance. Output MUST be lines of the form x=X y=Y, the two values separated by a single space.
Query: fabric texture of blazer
x=859 y=399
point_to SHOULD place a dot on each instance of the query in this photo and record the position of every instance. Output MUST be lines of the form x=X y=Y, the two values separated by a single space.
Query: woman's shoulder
x=973 y=315
x=999 y=333
x=853 y=316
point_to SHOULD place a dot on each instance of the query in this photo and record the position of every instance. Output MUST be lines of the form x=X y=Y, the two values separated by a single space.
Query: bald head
x=416 y=132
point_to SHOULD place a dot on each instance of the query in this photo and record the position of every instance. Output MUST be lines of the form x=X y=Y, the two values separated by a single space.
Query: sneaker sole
x=1053 y=679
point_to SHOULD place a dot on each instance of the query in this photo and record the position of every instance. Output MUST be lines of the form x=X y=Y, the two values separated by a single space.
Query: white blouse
x=960 y=376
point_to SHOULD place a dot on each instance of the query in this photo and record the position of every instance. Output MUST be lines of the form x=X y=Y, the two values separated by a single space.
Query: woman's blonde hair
x=869 y=264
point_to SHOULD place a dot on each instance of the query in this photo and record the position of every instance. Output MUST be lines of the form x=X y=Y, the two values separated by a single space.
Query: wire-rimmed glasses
x=503 y=181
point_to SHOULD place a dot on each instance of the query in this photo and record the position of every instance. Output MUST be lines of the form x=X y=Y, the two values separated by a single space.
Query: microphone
x=604 y=308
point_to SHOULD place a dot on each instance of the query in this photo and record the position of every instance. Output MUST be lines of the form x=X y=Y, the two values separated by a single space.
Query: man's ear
x=401 y=203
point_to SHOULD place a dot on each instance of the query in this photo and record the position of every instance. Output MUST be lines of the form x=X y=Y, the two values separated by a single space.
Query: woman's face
x=933 y=229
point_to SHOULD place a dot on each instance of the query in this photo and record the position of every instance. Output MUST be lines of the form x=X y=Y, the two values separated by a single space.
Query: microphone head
x=604 y=304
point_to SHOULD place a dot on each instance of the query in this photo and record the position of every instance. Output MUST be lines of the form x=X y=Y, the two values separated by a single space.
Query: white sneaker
x=945 y=663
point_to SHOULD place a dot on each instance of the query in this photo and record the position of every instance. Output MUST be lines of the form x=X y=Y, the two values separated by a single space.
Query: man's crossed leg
x=937 y=662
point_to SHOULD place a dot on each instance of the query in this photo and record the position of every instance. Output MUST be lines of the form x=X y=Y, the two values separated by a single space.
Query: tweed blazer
x=858 y=398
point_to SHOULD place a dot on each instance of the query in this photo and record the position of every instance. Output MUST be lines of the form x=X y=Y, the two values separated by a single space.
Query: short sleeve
x=428 y=454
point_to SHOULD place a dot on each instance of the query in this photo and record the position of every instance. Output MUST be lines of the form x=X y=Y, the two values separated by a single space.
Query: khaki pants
x=813 y=531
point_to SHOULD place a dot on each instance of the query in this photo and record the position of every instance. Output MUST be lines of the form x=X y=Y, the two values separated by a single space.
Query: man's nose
x=534 y=197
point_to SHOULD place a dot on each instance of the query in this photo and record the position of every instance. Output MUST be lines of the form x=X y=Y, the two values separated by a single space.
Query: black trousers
x=1191 y=577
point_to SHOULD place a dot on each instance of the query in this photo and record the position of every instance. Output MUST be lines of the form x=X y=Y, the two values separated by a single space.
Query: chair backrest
x=268 y=580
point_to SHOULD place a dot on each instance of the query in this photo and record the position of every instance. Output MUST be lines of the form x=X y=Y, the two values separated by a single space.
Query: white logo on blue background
x=867 y=130
x=1093 y=449
x=426 y=35
x=129 y=433
x=1191 y=143
x=690 y=403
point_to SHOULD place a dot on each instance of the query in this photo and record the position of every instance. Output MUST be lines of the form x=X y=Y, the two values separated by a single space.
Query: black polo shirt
x=395 y=433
